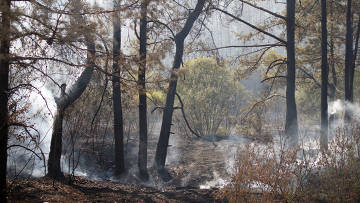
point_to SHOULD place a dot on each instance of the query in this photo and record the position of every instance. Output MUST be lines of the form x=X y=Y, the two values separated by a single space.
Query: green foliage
x=253 y=126
x=157 y=97
x=309 y=53
x=211 y=97
x=308 y=101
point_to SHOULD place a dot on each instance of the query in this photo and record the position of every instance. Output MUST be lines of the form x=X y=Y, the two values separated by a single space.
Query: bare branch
x=165 y=25
x=265 y=10
x=106 y=82
x=28 y=149
x=251 y=25
x=135 y=30
x=273 y=77
x=310 y=76
x=30 y=86
x=243 y=46
x=185 y=119
x=259 y=102
x=72 y=13
x=274 y=64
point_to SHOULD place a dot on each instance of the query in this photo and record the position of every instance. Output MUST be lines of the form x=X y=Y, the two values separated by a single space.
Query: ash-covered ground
x=84 y=190
x=192 y=162
x=199 y=167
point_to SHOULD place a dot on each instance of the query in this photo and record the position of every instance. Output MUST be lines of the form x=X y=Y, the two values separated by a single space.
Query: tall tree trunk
x=63 y=102
x=291 y=125
x=332 y=87
x=324 y=79
x=54 y=168
x=142 y=156
x=161 y=149
x=118 y=117
x=357 y=36
x=348 y=58
x=4 y=86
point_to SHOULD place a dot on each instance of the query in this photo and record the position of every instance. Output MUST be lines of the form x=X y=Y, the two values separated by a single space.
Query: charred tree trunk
x=4 y=86
x=63 y=102
x=161 y=149
x=354 y=59
x=54 y=168
x=324 y=79
x=142 y=155
x=348 y=59
x=353 y=63
x=118 y=117
x=332 y=87
x=291 y=125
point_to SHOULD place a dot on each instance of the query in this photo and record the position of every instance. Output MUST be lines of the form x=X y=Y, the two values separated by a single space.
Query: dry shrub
x=339 y=177
x=270 y=174
x=253 y=125
x=261 y=176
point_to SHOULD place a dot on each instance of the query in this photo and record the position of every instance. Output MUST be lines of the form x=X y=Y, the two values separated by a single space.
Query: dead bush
x=273 y=174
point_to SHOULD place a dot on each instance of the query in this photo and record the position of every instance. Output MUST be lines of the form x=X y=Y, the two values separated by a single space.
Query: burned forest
x=179 y=101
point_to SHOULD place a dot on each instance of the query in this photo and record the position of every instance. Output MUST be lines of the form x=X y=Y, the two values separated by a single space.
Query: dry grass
x=267 y=174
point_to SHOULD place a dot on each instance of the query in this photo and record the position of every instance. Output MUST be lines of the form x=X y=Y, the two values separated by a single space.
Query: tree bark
x=118 y=117
x=161 y=149
x=291 y=125
x=142 y=155
x=332 y=87
x=348 y=59
x=63 y=102
x=4 y=86
x=353 y=64
x=324 y=79
x=54 y=167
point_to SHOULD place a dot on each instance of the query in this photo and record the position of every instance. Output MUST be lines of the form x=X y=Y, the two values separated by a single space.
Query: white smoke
x=229 y=148
x=336 y=107
x=39 y=117
x=339 y=106
x=43 y=107
x=217 y=182
x=309 y=144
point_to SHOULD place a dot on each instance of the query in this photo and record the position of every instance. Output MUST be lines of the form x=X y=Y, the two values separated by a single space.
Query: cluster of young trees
x=212 y=99
x=38 y=37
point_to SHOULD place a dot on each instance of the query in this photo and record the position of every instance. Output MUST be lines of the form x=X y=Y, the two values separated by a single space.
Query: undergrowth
x=275 y=174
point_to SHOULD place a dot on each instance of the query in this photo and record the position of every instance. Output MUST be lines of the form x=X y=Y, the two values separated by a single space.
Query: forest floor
x=198 y=167
x=84 y=190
